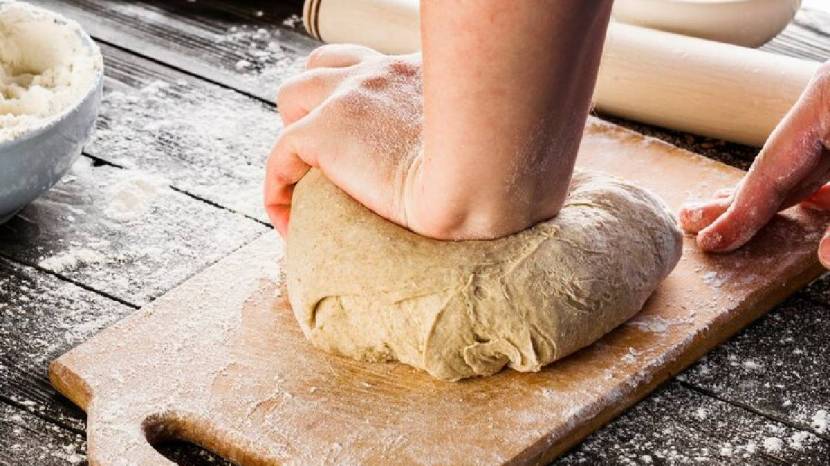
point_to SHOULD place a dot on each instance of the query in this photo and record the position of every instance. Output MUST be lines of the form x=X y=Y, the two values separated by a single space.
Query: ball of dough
x=363 y=287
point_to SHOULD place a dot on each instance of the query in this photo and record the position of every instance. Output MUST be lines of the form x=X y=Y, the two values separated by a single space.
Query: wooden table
x=171 y=183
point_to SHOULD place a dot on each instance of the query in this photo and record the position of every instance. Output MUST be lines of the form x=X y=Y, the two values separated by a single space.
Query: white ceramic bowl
x=34 y=161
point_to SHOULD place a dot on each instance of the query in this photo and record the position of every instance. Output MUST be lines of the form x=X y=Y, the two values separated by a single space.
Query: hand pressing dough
x=365 y=288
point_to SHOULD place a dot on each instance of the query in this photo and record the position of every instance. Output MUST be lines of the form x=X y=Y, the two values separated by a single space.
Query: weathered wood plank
x=807 y=37
x=206 y=140
x=28 y=440
x=41 y=317
x=122 y=232
x=819 y=290
x=680 y=426
x=777 y=367
x=229 y=44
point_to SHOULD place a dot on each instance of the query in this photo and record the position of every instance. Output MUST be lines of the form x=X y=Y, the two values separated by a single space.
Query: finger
x=824 y=250
x=283 y=170
x=754 y=205
x=819 y=200
x=338 y=56
x=789 y=162
x=301 y=94
x=695 y=217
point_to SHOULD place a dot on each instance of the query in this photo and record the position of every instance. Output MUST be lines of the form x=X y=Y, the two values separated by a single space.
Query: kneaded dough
x=363 y=287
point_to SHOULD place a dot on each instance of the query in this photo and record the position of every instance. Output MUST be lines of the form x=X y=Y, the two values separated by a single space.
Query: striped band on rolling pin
x=311 y=18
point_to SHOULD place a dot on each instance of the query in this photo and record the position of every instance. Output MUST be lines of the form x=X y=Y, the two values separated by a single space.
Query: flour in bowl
x=46 y=67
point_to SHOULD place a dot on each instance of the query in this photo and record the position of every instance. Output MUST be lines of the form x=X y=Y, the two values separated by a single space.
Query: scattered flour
x=72 y=259
x=209 y=142
x=714 y=279
x=631 y=356
x=45 y=67
x=69 y=455
x=819 y=421
x=773 y=444
x=799 y=439
x=657 y=324
x=130 y=199
x=752 y=365
x=293 y=21
x=261 y=54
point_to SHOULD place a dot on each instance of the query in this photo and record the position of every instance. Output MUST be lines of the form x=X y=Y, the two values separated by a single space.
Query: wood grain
x=207 y=38
x=101 y=219
x=40 y=317
x=807 y=37
x=679 y=425
x=29 y=440
x=220 y=361
x=789 y=343
x=208 y=141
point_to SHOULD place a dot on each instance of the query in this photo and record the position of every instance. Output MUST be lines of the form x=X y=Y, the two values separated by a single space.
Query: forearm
x=507 y=88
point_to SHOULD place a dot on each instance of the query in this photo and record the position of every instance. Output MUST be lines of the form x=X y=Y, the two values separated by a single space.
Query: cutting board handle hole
x=166 y=432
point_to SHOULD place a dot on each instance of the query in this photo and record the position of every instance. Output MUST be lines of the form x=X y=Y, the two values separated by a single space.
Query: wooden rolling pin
x=684 y=83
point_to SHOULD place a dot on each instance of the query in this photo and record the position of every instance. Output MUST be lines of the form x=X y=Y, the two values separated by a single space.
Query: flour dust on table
x=363 y=287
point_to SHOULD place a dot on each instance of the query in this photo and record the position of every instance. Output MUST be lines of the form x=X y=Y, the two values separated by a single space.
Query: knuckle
x=318 y=54
x=304 y=82
x=375 y=82
x=288 y=89
x=283 y=145
x=352 y=104
x=388 y=72
x=321 y=54
x=401 y=67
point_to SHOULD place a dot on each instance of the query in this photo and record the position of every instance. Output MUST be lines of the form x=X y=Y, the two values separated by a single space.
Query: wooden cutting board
x=220 y=361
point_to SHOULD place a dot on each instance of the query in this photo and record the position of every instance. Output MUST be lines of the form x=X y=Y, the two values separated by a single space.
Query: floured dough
x=46 y=67
x=363 y=287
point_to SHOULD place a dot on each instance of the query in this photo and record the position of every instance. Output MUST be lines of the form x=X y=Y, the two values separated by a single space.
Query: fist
x=356 y=115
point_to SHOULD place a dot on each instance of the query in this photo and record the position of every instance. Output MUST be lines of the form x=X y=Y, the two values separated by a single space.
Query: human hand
x=356 y=115
x=793 y=167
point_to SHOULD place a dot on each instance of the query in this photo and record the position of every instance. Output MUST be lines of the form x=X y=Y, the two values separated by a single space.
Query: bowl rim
x=94 y=87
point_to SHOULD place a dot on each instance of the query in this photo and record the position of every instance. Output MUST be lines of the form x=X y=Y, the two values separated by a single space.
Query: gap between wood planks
x=20 y=407
x=187 y=72
x=746 y=407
